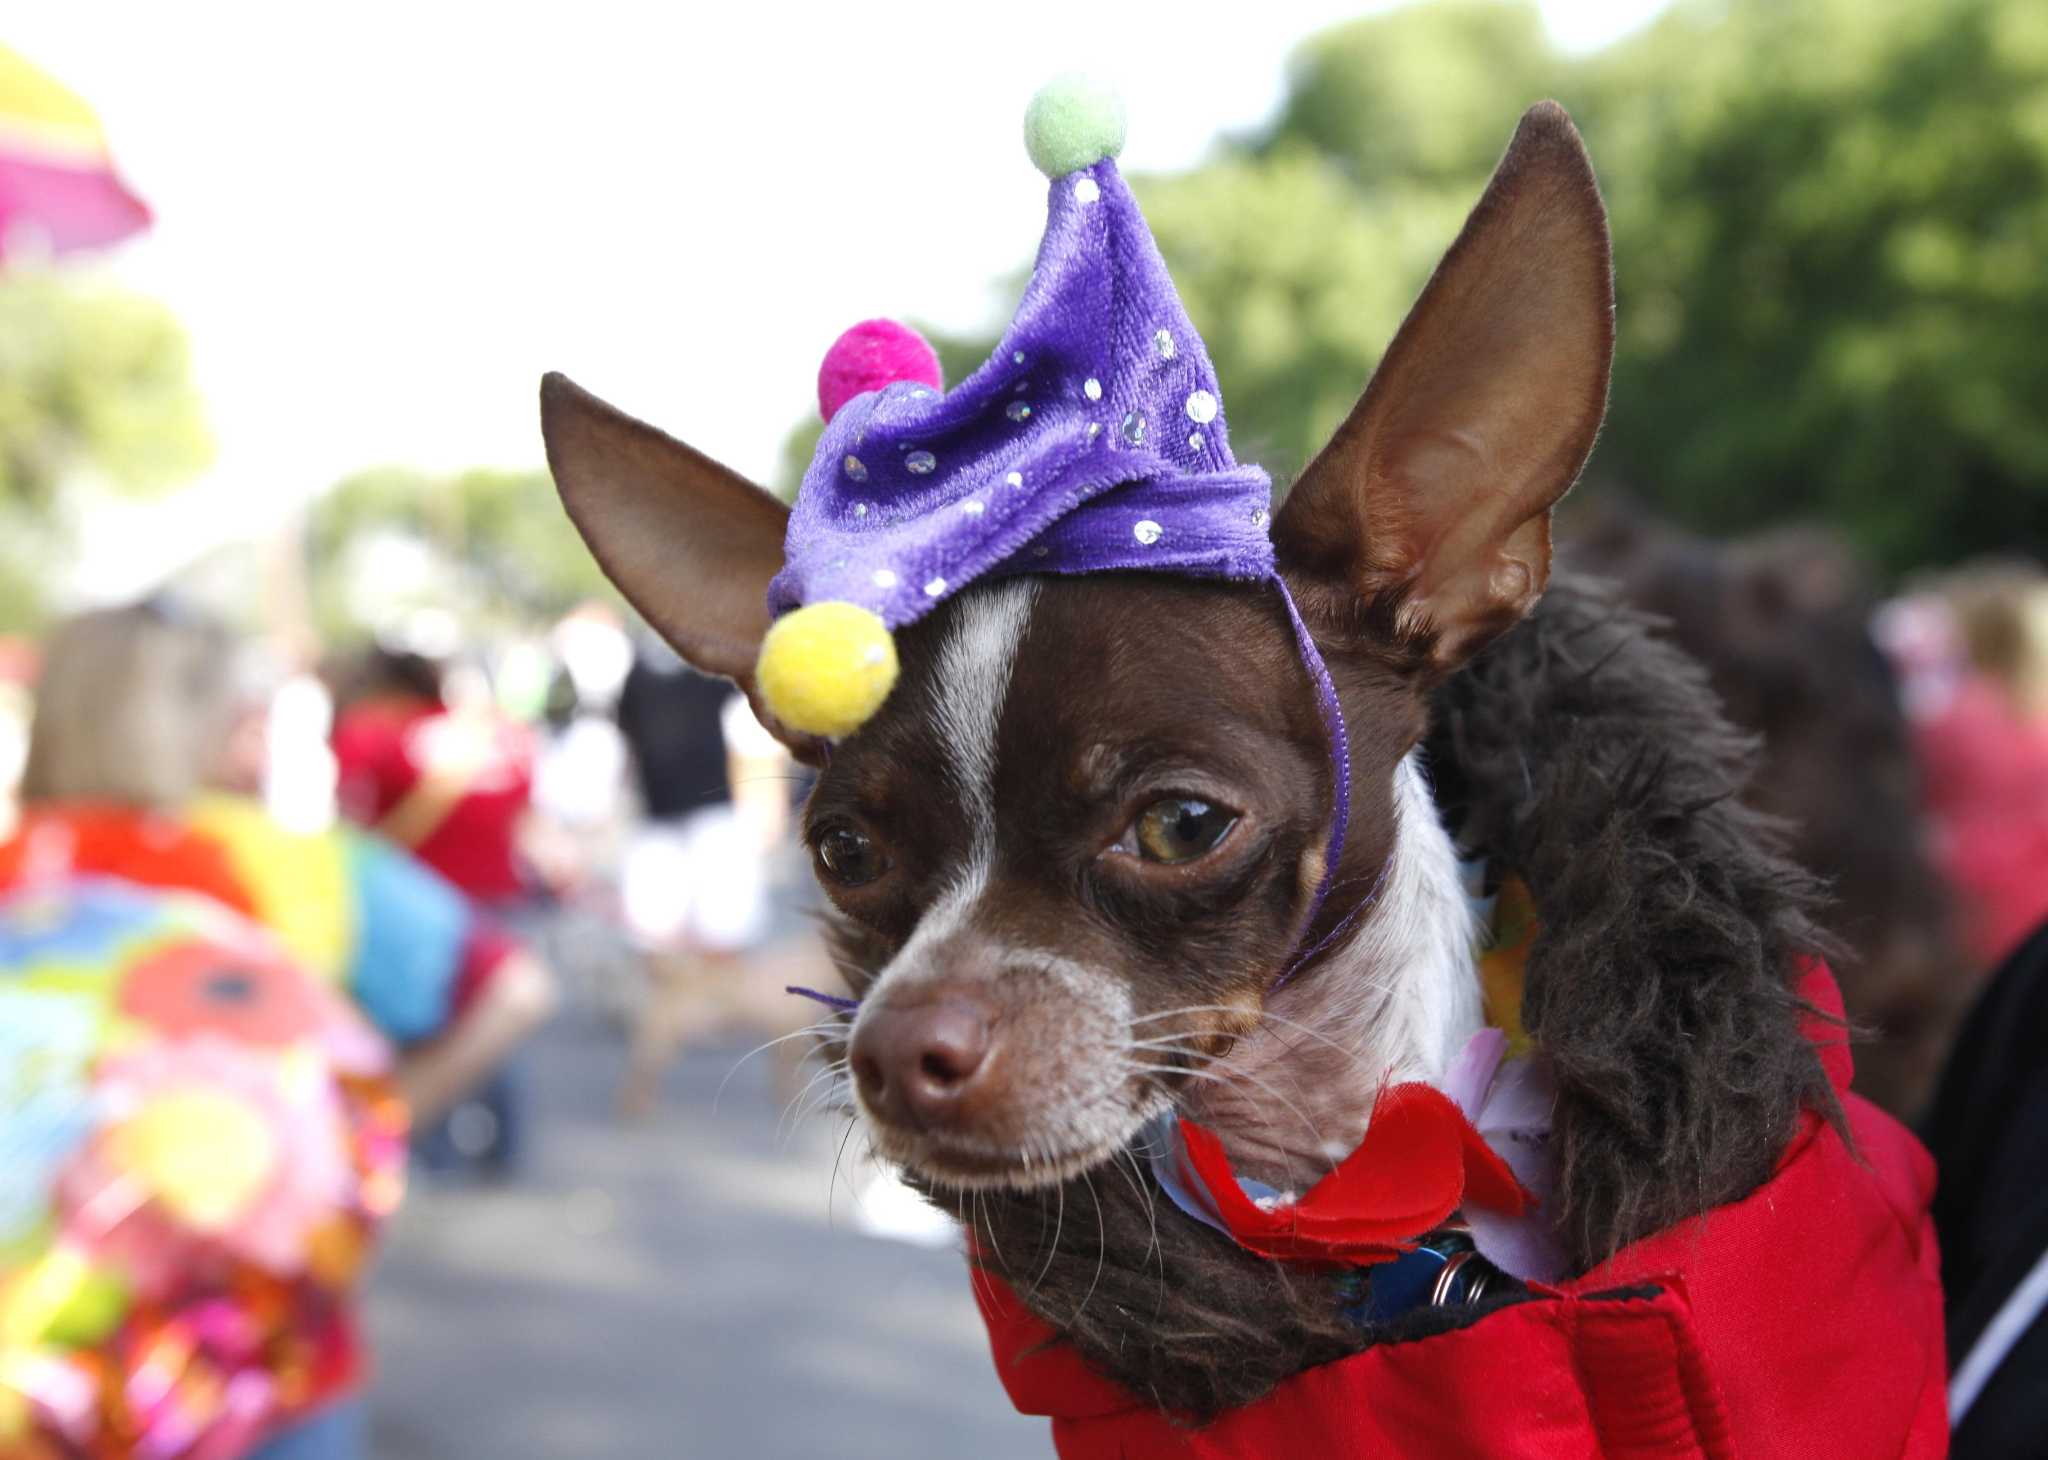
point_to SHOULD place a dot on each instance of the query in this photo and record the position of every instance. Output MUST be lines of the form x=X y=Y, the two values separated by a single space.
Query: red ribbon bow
x=1421 y=1160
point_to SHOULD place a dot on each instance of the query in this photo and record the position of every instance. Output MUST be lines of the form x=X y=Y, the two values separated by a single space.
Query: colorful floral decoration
x=200 y=1143
x=191 y=989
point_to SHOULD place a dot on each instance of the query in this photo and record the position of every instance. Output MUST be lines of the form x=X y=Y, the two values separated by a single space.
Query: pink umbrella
x=58 y=188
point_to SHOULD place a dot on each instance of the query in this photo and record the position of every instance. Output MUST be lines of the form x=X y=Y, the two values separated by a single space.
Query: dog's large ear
x=690 y=543
x=1430 y=507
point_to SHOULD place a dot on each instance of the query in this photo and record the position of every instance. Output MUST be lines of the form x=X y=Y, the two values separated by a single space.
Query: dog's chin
x=964 y=1163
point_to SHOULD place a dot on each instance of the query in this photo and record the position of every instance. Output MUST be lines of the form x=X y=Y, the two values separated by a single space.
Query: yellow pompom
x=205 y=1156
x=826 y=667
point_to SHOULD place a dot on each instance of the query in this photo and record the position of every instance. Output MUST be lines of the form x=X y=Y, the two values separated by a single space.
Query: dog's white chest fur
x=1396 y=1001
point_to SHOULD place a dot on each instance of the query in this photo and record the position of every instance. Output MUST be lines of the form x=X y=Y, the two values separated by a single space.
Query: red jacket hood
x=1802 y=1321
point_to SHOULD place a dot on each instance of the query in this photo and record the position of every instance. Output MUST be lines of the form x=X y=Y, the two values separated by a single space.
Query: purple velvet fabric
x=1092 y=439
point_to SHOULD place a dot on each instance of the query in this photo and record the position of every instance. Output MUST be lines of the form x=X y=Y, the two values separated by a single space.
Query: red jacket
x=1803 y=1321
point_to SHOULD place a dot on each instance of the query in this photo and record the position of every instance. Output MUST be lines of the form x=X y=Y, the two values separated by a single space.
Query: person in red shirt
x=450 y=781
x=1973 y=656
x=449 y=778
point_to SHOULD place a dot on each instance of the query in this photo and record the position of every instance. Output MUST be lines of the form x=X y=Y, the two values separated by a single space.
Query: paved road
x=673 y=1291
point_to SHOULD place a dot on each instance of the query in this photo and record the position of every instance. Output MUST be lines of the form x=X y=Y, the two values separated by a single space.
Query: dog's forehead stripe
x=972 y=681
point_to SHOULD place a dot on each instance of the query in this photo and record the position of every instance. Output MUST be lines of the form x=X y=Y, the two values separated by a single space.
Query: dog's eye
x=849 y=857
x=1179 y=829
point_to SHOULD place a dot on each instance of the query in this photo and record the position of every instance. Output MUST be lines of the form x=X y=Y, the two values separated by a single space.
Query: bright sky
x=381 y=222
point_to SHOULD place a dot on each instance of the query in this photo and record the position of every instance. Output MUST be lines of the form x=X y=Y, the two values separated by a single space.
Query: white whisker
x=1052 y=1251
x=1101 y=1244
x=809 y=1031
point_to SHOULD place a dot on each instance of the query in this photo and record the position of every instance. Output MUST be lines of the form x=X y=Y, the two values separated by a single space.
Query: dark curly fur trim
x=1591 y=759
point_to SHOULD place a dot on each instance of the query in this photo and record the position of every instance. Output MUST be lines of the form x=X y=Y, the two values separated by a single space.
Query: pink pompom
x=874 y=353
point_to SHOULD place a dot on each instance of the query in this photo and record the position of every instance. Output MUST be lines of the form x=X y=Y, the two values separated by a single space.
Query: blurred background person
x=582 y=765
x=133 y=713
x=1974 y=646
x=581 y=814
x=1988 y=1131
x=716 y=791
x=1782 y=623
x=426 y=760
x=202 y=1141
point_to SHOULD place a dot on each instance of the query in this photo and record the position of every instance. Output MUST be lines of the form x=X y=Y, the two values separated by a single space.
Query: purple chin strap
x=1340 y=777
x=837 y=1002
x=1332 y=712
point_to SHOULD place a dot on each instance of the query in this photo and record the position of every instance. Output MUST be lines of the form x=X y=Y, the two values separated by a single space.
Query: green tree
x=491 y=547
x=1831 y=235
x=94 y=381
x=1299 y=249
x=1830 y=220
x=92 y=377
x=1831 y=244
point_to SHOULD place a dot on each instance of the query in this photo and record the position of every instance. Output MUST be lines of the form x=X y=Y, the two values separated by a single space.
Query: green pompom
x=1073 y=123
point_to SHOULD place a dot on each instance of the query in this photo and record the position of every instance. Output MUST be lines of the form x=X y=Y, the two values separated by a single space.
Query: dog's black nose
x=918 y=1063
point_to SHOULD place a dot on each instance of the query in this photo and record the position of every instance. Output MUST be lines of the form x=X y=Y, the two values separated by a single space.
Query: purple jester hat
x=1092 y=440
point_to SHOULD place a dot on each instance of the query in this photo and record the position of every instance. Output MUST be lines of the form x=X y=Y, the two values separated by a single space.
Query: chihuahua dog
x=1073 y=854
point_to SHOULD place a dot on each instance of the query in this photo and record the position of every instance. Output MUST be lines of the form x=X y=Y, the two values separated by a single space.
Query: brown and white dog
x=1080 y=842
